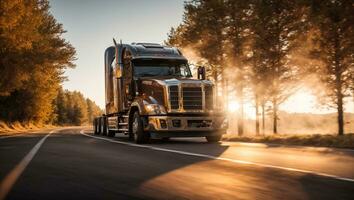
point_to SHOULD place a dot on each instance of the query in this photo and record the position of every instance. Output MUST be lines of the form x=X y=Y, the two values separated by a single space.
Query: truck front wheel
x=213 y=138
x=138 y=133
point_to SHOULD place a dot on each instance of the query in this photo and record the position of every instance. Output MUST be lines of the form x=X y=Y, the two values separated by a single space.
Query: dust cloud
x=293 y=118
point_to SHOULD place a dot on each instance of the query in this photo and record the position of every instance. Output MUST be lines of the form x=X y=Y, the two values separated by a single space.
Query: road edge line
x=11 y=178
x=220 y=158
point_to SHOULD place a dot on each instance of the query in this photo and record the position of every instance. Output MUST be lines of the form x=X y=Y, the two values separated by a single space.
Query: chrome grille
x=192 y=98
x=173 y=90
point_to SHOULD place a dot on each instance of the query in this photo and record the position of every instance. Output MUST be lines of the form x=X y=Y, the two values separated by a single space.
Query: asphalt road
x=71 y=163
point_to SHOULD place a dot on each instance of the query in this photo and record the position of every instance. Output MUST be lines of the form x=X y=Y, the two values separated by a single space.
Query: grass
x=17 y=127
x=317 y=140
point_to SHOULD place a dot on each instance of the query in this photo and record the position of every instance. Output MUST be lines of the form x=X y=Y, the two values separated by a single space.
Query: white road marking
x=12 y=177
x=220 y=158
x=311 y=148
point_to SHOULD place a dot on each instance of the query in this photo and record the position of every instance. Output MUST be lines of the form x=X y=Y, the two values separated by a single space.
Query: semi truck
x=150 y=92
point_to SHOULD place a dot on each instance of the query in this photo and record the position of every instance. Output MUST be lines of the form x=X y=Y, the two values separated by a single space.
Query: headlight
x=155 y=109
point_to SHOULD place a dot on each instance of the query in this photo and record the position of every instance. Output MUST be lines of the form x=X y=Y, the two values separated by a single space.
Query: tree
x=237 y=34
x=334 y=46
x=276 y=30
x=92 y=110
x=202 y=29
x=72 y=108
x=33 y=57
x=60 y=108
x=19 y=28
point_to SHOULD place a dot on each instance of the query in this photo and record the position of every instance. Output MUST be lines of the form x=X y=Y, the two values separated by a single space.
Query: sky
x=91 y=25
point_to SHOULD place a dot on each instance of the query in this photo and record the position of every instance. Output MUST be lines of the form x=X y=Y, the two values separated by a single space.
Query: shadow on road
x=71 y=165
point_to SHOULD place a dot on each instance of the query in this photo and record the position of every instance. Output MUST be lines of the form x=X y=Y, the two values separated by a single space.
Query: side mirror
x=201 y=72
x=117 y=68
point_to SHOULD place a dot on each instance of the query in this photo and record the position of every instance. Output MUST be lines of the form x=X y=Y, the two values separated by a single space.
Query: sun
x=303 y=101
x=233 y=106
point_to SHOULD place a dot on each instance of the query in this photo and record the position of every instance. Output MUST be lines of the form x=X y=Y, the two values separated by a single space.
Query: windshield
x=161 y=68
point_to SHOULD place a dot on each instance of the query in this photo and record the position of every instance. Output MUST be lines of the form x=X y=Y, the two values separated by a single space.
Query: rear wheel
x=111 y=133
x=213 y=138
x=99 y=126
x=95 y=126
x=104 y=126
x=138 y=133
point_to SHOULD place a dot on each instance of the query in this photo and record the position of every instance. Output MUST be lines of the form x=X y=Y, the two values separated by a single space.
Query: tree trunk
x=340 y=117
x=353 y=98
x=240 y=121
x=275 y=116
x=224 y=89
x=339 y=96
x=339 y=84
x=240 y=113
x=215 y=77
x=257 y=115
x=263 y=118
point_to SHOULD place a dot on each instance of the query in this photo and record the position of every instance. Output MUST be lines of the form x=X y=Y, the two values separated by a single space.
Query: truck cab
x=151 y=93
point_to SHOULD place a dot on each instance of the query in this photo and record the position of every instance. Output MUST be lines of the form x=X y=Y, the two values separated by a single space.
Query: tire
x=99 y=126
x=95 y=128
x=131 y=134
x=111 y=133
x=138 y=133
x=213 y=138
x=104 y=126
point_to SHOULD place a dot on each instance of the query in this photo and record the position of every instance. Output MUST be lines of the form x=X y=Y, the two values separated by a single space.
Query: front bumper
x=185 y=126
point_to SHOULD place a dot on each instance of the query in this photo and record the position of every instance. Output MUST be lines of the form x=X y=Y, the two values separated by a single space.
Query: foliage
x=212 y=29
x=334 y=46
x=19 y=28
x=247 y=42
x=276 y=31
x=33 y=57
x=73 y=109
x=256 y=46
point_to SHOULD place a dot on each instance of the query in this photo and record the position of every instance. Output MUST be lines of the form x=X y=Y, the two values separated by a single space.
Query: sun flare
x=233 y=106
x=303 y=101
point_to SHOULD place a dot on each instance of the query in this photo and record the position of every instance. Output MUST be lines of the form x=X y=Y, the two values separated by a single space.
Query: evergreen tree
x=276 y=35
x=93 y=110
x=19 y=28
x=237 y=35
x=32 y=59
x=202 y=29
x=334 y=45
x=73 y=109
